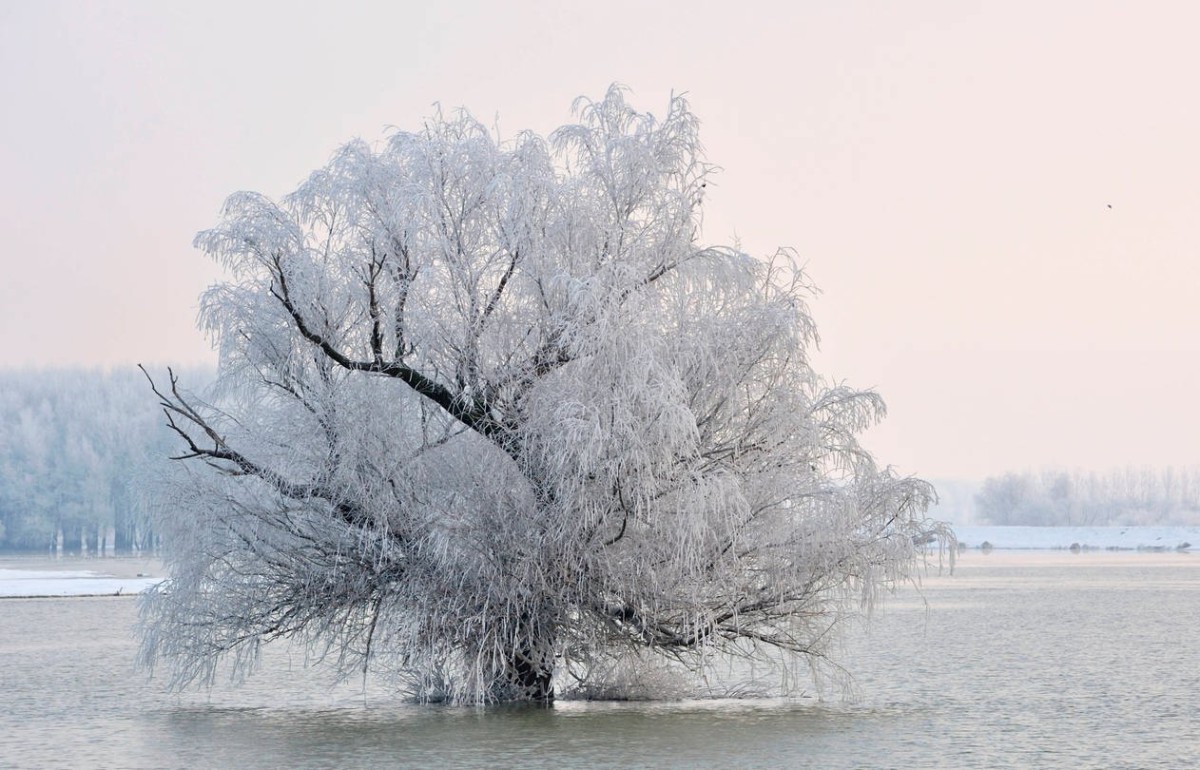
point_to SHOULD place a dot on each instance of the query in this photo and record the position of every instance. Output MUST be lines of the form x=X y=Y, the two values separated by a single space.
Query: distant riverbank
x=36 y=576
x=1081 y=538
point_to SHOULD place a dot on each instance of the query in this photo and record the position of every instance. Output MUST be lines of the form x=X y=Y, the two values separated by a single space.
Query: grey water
x=1047 y=660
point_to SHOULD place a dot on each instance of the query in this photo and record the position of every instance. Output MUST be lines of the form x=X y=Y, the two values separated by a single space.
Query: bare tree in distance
x=491 y=419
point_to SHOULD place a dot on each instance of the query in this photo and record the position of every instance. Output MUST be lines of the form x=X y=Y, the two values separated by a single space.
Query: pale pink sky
x=945 y=169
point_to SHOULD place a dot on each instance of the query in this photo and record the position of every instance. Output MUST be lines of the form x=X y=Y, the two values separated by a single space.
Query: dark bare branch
x=470 y=412
x=176 y=405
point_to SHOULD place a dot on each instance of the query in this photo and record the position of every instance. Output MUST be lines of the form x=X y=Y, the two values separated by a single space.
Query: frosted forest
x=492 y=421
x=1128 y=496
x=75 y=447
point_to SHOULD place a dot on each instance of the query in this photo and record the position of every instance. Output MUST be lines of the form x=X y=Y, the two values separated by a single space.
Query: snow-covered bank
x=1109 y=538
x=26 y=583
x=39 y=580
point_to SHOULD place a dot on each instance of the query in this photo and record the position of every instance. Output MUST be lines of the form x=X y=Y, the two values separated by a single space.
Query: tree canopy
x=490 y=418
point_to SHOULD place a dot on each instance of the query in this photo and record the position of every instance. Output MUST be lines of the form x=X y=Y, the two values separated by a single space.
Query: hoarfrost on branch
x=490 y=418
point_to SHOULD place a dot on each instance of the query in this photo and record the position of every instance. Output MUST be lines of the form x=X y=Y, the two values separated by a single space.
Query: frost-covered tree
x=490 y=417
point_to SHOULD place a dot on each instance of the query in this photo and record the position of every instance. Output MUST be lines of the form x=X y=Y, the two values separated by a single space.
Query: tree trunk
x=531 y=676
x=72 y=539
x=529 y=667
x=121 y=540
x=91 y=539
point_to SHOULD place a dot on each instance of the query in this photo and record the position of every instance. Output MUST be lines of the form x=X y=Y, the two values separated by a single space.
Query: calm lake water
x=1046 y=660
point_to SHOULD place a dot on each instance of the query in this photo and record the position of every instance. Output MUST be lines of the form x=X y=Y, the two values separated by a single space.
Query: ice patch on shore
x=27 y=583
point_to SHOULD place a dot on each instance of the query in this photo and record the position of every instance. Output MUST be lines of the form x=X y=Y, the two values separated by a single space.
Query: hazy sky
x=998 y=200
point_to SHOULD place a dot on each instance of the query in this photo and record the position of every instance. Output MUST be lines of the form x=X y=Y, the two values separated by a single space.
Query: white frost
x=490 y=414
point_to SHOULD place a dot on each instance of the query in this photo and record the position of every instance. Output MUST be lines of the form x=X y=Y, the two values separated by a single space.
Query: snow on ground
x=42 y=579
x=1108 y=538
x=28 y=582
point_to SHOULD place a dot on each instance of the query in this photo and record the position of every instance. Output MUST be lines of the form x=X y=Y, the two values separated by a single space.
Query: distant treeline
x=1132 y=496
x=74 y=447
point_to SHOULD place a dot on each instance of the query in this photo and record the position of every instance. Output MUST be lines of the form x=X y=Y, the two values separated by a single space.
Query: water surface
x=1048 y=660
